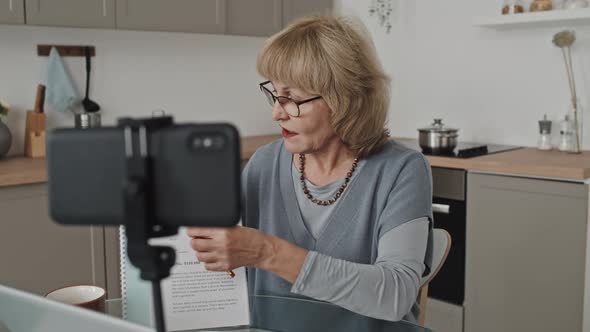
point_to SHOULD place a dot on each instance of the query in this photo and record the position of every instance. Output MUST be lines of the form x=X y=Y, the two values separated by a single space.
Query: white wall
x=493 y=85
x=195 y=77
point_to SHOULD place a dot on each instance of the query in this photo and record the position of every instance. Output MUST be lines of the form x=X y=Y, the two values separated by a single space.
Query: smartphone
x=195 y=173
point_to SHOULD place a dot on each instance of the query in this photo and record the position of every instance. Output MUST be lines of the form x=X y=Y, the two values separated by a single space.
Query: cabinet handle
x=104 y=8
x=278 y=15
x=10 y=5
x=217 y=11
x=441 y=208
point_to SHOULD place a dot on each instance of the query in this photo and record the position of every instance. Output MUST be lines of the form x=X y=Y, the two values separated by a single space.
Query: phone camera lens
x=197 y=142
x=207 y=142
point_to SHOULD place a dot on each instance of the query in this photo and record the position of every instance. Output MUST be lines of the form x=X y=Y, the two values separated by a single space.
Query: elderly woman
x=335 y=210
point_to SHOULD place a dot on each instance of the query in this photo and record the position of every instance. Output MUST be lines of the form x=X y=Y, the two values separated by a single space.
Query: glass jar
x=575 y=116
x=512 y=7
x=566 y=135
x=574 y=4
x=541 y=5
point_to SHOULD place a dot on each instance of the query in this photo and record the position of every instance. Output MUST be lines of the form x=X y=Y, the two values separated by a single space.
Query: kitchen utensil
x=89 y=105
x=438 y=139
x=544 y=142
x=35 y=127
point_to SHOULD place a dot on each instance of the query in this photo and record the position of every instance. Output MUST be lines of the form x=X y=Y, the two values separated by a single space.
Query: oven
x=448 y=206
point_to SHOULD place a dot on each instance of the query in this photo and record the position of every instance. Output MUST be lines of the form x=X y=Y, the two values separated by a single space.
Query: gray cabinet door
x=112 y=262
x=12 y=11
x=72 y=13
x=296 y=8
x=204 y=16
x=254 y=17
x=526 y=242
x=38 y=255
x=443 y=317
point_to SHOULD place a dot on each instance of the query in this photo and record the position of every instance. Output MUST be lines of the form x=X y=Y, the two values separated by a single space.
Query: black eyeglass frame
x=275 y=98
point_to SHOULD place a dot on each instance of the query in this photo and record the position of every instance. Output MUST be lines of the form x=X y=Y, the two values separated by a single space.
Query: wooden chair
x=440 y=251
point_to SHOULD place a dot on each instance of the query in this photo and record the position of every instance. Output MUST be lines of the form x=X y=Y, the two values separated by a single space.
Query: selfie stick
x=154 y=262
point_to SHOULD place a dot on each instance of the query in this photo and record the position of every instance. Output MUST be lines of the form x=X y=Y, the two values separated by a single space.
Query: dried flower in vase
x=564 y=40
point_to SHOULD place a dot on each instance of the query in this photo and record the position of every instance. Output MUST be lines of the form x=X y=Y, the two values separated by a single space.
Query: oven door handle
x=441 y=208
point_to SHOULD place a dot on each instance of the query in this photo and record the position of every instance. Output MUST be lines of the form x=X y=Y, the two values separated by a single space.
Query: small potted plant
x=5 y=135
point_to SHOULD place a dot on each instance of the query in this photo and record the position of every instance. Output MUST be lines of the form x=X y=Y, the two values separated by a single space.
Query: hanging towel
x=59 y=93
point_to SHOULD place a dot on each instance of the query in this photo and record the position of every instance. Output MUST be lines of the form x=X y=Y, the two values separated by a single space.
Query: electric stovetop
x=463 y=149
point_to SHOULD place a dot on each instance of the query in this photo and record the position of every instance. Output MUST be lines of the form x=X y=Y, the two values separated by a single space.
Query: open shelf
x=553 y=18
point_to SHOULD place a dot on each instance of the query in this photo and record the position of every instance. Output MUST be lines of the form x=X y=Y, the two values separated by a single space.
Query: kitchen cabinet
x=297 y=8
x=234 y=17
x=204 y=16
x=112 y=261
x=12 y=11
x=525 y=258
x=254 y=17
x=39 y=255
x=71 y=13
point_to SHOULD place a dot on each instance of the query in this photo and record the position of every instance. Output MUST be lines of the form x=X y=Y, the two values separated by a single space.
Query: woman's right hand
x=227 y=248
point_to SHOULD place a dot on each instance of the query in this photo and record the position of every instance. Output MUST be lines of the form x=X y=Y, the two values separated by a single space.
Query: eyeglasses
x=287 y=104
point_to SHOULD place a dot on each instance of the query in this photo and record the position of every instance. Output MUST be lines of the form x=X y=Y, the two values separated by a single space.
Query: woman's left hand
x=224 y=249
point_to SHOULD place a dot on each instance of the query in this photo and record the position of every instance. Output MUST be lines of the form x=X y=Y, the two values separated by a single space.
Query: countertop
x=23 y=170
x=535 y=163
x=529 y=162
x=525 y=162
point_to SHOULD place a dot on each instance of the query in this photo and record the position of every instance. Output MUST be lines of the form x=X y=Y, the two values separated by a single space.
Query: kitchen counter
x=529 y=162
x=22 y=170
x=526 y=162
x=532 y=162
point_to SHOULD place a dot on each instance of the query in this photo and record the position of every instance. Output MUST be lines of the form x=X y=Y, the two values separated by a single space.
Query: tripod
x=154 y=262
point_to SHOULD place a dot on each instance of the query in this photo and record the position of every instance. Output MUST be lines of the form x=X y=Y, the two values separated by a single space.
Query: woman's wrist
x=282 y=258
x=268 y=253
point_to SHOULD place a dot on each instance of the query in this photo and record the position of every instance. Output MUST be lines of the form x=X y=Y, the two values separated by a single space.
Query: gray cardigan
x=392 y=188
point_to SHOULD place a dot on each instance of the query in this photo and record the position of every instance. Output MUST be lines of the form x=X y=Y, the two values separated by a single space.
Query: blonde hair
x=334 y=57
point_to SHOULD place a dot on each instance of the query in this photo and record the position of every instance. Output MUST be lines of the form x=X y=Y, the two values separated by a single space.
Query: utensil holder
x=35 y=135
x=87 y=120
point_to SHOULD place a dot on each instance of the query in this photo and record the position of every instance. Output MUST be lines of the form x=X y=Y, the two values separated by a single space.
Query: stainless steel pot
x=438 y=139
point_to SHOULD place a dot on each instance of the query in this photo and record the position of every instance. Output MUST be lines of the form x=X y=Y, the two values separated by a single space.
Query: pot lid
x=438 y=127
